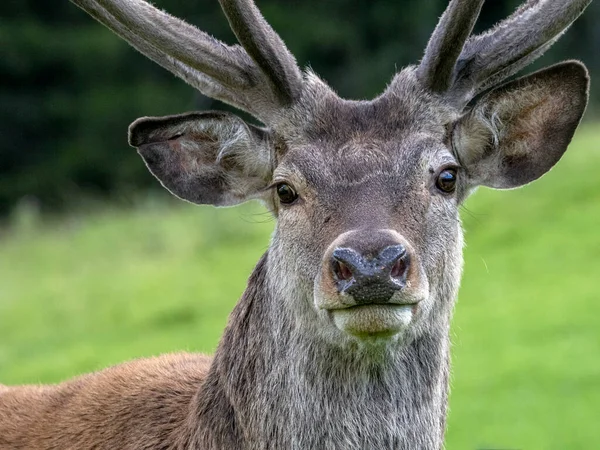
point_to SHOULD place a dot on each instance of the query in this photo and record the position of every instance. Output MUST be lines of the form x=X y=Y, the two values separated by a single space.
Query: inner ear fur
x=205 y=157
x=518 y=131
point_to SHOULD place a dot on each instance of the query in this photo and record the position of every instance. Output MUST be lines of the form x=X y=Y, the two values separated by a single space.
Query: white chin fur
x=374 y=320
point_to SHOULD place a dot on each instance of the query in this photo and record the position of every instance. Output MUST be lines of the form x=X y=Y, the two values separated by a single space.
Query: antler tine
x=455 y=26
x=218 y=70
x=205 y=84
x=514 y=43
x=178 y=39
x=265 y=47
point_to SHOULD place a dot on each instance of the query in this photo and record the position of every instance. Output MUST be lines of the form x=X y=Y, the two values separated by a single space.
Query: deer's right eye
x=286 y=193
x=446 y=181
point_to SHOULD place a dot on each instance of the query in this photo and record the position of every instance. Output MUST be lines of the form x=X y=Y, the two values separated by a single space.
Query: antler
x=232 y=74
x=437 y=66
x=265 y=47
x=491 y=57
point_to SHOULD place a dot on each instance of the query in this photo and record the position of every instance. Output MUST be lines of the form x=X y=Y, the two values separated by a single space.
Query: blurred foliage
x=69 y=87
x=94 y=289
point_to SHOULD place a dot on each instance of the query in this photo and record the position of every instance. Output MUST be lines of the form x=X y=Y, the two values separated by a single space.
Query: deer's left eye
x=286 y=193
x=446 y=181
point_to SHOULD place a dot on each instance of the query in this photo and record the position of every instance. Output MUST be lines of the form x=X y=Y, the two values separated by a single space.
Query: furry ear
x=206 y=158
x=518 y=132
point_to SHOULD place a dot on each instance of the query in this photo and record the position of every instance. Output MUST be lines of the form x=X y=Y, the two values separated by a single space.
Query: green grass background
x=85 y=291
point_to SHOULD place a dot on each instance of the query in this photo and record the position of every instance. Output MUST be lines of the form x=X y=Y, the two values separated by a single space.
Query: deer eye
x=446 y=180
x=286 y=193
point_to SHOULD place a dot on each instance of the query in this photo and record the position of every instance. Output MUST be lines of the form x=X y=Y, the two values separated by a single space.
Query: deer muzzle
x=371 y=283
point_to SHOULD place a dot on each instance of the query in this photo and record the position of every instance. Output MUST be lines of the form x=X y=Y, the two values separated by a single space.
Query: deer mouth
x=375 y=319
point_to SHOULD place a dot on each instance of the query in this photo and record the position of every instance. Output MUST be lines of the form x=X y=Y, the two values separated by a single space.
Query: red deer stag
x=340 y=340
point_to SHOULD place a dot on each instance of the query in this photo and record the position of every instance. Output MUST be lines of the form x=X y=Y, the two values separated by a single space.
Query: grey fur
x=288 y=373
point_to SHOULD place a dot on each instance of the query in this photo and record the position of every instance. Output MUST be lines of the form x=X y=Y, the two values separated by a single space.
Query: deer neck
x=275 y=385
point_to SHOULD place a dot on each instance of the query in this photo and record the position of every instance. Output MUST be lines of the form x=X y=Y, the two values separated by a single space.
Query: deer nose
x=370 y=279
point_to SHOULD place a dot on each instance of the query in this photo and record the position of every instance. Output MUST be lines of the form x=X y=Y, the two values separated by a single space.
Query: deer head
x=368 y=243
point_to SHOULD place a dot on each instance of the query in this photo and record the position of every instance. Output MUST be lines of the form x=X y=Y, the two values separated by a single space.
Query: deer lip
x=374 y=320
x=414 y=304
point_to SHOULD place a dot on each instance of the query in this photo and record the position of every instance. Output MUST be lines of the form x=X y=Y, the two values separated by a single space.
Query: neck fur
x=273 y=385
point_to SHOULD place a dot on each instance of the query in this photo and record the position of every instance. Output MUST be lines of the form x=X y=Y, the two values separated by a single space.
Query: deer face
x=368 y=242
x=367 y=203
x=368 y=232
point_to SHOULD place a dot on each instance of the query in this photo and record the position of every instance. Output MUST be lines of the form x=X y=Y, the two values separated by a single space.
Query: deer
x=341 y=338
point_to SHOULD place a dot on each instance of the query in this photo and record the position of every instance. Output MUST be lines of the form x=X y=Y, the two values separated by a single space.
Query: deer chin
x=374 y=320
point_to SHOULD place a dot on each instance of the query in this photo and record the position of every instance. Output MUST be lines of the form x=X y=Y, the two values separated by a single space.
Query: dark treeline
x=69 y=87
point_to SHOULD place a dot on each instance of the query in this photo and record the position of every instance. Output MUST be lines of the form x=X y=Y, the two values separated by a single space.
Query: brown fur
x=142 y=404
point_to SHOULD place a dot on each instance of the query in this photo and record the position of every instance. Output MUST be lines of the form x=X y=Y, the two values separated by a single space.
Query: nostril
x=399 y=268
x=345 y=265
x=396 y=261
x=341 y=271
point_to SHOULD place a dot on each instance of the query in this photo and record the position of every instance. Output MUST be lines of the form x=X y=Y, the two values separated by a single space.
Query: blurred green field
x=89 y=290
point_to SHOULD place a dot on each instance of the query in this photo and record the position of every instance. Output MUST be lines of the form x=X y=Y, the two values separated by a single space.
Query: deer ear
x=518 y=132
x=206 y=158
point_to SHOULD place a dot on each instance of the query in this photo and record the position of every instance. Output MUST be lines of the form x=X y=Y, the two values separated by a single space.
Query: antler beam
x=437 y=67
x=205 y=84
x=490 y=57
x=233 y=74
x=265 y=47
x=464 y=66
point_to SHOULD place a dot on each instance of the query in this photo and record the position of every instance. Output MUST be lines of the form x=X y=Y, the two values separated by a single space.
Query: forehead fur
x=349 y=141
x=404 y=108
